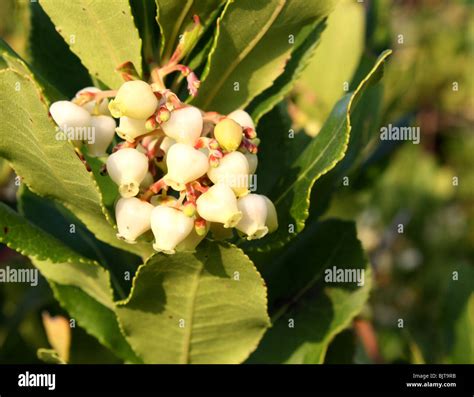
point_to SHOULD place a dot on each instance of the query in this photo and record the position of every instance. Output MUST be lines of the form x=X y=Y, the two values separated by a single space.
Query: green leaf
x=174 y=17
x=334 y=63
x=144 y=12
x=48 y=166
x=291 y=193
x=55 y=261
x=282 y=86
x=69 y=75
x=98 y=320
x=307 y=312
x=251 y=47
x=208 y=307
x=101 y=33
x=49 y=356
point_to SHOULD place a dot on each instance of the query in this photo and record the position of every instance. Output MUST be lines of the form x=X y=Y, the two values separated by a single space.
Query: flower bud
x=198 y=233
x=254 y=215
x=189 y=208
x=185 y=164
x=184 y=125
x=253 y=162
x=219 y=204
x=229 y=134
x=134 y=99
x=68 y=115
x=130 y=128
x=104 y=131
x=127 y=167
x=90 y=106
x=133 y=218
x=272 y=218
x=170 y=227
x=242 y=117
x=233 y=171
x=163 y=115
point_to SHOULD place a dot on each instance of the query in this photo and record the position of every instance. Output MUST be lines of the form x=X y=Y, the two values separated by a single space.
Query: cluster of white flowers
x=180 y=171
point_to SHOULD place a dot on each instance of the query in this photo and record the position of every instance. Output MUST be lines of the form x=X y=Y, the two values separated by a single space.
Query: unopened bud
x=189 y=208
x=201 y=227
x=151 y=124
x=229 y=134
x=134 y=99
x=163 y=115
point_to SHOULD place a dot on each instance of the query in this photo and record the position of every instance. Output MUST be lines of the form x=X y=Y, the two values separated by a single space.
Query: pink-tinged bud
x=213 y=144
x=213 y=161
x=189 y=208
x=201 y=227
x=193 y=84
x=250 y=133
x=151 y=124
x=163 y=114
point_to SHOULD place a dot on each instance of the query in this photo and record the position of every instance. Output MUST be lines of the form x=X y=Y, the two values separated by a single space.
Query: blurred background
x=424 y=274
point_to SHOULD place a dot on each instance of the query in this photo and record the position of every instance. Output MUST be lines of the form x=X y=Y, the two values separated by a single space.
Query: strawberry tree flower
x=170 y=227
x=242 y=117
x=127 y=167
x=185 y=164
x=184 y=125
x=233 y=171
x=133 y=218
x=104 y=131
x=272 y=218
x=254 y=216
x=219 y=204
x=68 y=115
x=134 y=99
x=130 y=128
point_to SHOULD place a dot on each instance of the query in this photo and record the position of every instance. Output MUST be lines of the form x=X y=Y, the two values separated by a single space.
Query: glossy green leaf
x=56 y=261
x=292 y=191
x=98 y=320
x=50 y=167
x=101 y=33
x=341 y=47
x=69 y=75
x=282 y=86
x=253 y=43
x=307 y=312
x=208 y=307
x=144 y=12
x=175 y=16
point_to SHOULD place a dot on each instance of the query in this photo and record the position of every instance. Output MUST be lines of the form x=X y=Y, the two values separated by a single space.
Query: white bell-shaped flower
x=90 y=106
x=133 y=218
x=219 y=204
x=185 y=164
x=129 y=128
x=170 y=227
x=103 y=133
x=233 y=171
x=184 y=125
x=254 y=215
x=134 y=99
x=242 y=117
x=70 y=118
x=272 y=218
x=127 y=167
x=253 y=162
